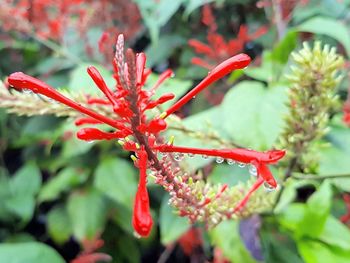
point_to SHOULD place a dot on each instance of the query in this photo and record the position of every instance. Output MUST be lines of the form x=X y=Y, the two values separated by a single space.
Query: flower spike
x=237 y=62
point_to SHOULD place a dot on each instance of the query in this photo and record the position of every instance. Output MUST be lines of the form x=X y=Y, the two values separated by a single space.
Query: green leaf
x=334 y=161
x=270 y=69
x=21 y=205
x=30 y=252
x=288 y=195
x=226 y=237
x=292 y=217
x=157 y=14
x=283 y=49
x=172 y=226
x=228 y=174
x=80 y=80
x=26 y=181
x=19 y=200
x=317 y=211
x=63 y=181
x=87 y=213
x=73 y=146
x=58 y=224
x=194 y=4
x=316 y=252
x=336 y=234
x=116 y=178
x=329 y=27
x=254 y=114
x=161 y=50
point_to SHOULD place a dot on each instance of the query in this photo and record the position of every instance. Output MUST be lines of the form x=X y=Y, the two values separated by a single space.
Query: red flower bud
x=239 y=61
x=141 y=218
x=154 y=126
x=92 y=134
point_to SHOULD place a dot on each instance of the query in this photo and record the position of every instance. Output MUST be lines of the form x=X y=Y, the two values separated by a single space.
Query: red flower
x=346 y=109
x=217 y=49
x=129 y=102
x=142 y=219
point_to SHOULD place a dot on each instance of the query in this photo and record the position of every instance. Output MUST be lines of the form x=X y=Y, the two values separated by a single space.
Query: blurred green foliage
x=57 y=191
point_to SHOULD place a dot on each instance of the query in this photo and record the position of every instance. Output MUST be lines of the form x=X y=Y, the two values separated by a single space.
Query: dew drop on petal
x=92 y=141
x=220 y=160
x=27 y=91
x=252 y=170
x=205 y=156
x=268 y=188
x=137 y=235
x=190 y=155
x=230 y=162
x=241 y=165
x=178 y=157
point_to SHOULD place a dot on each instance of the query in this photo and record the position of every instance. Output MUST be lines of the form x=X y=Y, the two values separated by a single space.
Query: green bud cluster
x=314 y=77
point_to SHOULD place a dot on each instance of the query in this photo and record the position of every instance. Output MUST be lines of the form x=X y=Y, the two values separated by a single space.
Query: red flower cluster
x=49 y=19
x=46 y=18
x=129 y=101
x=287 y=6
x=346 y=110
x=217 y=49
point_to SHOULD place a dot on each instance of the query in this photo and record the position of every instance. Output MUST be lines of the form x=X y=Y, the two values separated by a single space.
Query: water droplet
x=27 y=91
x=220 y=160
x=205 y=156
x=191 y=155
x=92 y=141
x=163 y=153
x=268 y=188
x=252 y=170
x=51 y=100
x=178 y=157
x=137 y=235
x=241 y=165
x=230 y=162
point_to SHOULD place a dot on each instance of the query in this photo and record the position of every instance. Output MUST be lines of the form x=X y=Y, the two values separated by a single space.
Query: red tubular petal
x=87 y=120
x=161 y=100
x=141 y=218
x=243 y=202
x=140 y=67
x=98 y=101
x=275 y=155
x=154 y=126
x=200 y=62
x=237 y=62
x=266 y=174
x=100 y=83
x=238 y=154
x=23 y=81
x=92 y=134
x=101 y=42
x=200 y=47
x=164 y=76
x=258 y=33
